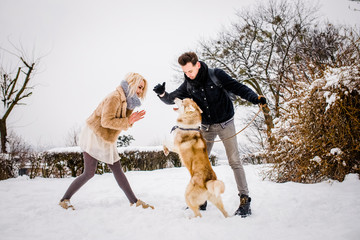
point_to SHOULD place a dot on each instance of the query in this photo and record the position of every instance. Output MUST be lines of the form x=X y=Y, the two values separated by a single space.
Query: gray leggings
x=90 y=165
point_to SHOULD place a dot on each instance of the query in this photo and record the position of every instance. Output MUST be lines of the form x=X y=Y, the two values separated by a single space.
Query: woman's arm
x=108 y=115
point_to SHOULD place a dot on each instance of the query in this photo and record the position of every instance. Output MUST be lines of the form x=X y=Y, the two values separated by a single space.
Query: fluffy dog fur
x=191 y=147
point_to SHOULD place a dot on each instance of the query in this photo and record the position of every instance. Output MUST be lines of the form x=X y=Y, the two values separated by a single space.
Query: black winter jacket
x=216 y=105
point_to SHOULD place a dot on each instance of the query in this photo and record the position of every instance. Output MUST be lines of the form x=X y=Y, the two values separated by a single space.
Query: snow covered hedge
x=65 y=162
x=318 y=135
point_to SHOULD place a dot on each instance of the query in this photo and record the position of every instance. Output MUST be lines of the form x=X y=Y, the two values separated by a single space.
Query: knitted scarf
x=132 y=101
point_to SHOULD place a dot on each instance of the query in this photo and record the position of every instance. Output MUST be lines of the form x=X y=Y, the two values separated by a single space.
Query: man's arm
x=235 y=87
x=168 y=98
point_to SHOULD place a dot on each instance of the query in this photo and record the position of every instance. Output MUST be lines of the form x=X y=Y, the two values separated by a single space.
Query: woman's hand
x=136 y=116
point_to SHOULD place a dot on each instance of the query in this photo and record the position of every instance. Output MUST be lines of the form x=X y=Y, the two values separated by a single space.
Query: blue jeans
x=225 y=130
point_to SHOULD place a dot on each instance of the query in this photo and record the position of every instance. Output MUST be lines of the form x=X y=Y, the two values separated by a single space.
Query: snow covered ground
x=29 y=209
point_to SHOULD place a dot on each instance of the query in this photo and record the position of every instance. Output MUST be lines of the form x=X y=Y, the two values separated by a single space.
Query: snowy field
x=30 y=210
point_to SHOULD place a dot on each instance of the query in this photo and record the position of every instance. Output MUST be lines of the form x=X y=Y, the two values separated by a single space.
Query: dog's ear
x=200 y=109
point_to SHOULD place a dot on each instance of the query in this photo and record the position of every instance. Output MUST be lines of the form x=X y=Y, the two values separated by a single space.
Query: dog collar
x=185 y=129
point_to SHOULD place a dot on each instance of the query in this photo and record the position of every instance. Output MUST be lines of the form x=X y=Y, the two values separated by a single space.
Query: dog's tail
x=215 y=187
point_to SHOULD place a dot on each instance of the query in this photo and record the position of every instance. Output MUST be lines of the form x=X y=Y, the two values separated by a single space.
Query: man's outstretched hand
x=159 y=89
x=262 y=100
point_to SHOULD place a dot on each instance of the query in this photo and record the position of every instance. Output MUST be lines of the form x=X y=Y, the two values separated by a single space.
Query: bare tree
x=18 y=145
x=259 y=48
x=72 y=138
x=355 y=8
x=14 y=88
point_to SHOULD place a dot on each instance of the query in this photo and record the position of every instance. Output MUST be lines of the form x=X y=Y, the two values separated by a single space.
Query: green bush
x=68 y=162
x=61 y=163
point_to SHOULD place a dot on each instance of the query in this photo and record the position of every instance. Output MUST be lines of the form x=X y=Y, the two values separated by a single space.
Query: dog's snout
x=178 y=102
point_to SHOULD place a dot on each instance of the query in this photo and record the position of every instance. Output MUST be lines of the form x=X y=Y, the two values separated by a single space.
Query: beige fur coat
x=111 y=116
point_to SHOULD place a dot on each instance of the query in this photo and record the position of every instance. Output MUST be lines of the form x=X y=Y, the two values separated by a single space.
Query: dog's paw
x=166 y=150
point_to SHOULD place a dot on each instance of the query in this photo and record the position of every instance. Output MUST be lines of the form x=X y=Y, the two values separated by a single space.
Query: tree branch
x=19 y=96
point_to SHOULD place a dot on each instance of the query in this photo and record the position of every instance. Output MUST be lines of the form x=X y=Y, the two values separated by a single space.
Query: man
x=218 y=113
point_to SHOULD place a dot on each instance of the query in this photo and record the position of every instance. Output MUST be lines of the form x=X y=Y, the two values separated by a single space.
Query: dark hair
x=188 y=57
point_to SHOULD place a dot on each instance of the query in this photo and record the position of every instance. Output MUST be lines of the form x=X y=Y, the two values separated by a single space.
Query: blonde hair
x=134 y=80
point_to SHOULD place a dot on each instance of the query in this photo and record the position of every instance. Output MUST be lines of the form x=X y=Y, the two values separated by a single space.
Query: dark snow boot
x=244 y=209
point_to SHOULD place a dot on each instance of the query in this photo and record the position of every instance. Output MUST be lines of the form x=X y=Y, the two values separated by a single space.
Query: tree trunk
x=3 y=133
x=269 y=124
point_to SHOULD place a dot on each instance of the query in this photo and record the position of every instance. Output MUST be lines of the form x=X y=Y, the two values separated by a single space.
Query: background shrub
x=68 y=162
x=318 y=137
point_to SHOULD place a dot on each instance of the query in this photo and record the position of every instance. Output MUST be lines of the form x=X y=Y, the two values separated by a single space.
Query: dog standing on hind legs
x=191 y=147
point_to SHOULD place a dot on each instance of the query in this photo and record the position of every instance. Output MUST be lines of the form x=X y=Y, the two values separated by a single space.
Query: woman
x=98 y=138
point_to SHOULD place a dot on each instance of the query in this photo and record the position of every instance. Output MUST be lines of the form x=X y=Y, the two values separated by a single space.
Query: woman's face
x=140 y=89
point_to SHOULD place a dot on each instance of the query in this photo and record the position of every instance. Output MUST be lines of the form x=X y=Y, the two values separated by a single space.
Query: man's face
x=191 y=70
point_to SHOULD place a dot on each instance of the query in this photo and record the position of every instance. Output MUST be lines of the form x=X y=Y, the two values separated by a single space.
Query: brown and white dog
x=191 y=147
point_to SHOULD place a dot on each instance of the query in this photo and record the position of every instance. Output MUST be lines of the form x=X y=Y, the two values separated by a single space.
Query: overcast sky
x=87 y=47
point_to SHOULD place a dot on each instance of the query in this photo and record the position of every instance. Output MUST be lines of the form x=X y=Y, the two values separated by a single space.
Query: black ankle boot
x=244 y=209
